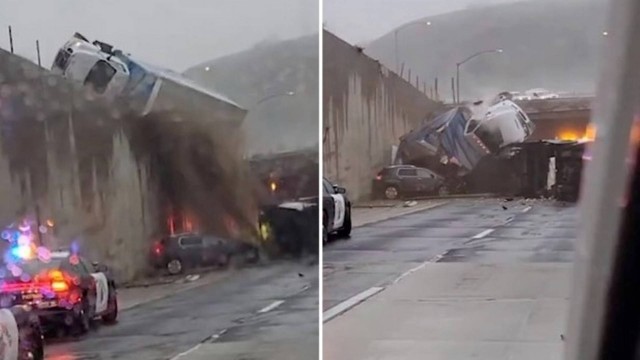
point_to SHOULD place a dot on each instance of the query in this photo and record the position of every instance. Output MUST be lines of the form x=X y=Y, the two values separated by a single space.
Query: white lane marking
x=211 y=338
x=349 y=303
x=483 y=234
x=186 y=352
x=409 y=272
x=526 y=209
x=215 y=337
x=271 y=306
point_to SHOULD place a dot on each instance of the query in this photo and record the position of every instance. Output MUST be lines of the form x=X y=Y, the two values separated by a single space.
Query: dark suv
x=396 y=181
x=177 y=252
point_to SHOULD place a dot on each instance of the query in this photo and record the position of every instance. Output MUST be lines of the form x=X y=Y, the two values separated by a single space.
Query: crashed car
x=177 y=252
x=397 y=181
x=65 y=291
x=20 y=334
x=453 y=143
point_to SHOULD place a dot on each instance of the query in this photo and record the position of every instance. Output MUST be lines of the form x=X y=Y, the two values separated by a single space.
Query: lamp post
x=395 y=38
x=464 y=61
x=272 y=96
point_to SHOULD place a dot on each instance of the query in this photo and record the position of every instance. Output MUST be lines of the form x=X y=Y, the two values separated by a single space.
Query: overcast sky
x=358 y=21
x=170 y=33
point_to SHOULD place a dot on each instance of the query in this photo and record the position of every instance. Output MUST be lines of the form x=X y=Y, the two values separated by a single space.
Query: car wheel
x=81 y=319
x=112 y=308
x=391 y=192
x=345 y=232
x=325 y=235
x=174 y=266
x=31 y=344
x=224 y=260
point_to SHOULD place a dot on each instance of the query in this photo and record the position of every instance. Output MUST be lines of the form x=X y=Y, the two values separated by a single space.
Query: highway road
x=464 y=230
x=265 y=312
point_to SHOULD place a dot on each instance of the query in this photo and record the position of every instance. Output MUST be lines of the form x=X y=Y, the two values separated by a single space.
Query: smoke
x=198 y=170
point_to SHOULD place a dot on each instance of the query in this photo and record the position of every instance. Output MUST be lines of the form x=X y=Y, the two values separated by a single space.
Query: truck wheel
x=391 y=192
x=112 y=308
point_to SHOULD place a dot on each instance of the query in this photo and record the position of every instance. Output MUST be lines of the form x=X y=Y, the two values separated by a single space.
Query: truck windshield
x=491 y=139
x=100 y=76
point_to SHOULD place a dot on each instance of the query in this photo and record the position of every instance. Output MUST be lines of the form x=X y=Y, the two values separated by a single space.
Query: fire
x=572 y=135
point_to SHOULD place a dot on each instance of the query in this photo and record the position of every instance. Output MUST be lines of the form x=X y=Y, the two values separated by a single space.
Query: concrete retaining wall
x=77 y=163
x=366 y=108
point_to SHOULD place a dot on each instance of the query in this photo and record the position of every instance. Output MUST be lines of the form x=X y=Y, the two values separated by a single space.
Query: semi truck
x=482 y=147
x=115 y=75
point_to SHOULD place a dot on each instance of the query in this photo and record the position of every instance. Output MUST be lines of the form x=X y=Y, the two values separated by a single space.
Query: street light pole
x=457 y=99
x=464 y=61
x=268 y=97
x=395 y=39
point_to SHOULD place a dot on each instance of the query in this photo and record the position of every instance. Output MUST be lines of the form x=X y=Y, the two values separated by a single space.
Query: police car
x=64 y=289
x=336 y=211
x=20 y=334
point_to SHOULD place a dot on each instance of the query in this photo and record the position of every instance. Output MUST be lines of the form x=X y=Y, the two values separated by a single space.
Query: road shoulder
x=451 y=310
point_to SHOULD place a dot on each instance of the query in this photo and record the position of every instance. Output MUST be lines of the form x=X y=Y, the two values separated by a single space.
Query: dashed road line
x=483 y=234
x=185 y=353
x=526 y=209
x=271 y=306
x=349 y=303
x=410 y=271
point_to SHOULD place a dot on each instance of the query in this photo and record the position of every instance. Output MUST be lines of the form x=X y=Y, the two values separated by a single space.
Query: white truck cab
x=501 y=124
x=95 y=65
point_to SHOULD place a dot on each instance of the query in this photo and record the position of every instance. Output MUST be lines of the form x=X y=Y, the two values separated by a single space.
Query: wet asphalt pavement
x=465 y=230
x=276 y=303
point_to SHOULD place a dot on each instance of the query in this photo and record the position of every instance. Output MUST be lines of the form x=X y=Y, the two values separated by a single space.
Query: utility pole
x=435 y=87
x=453 y=90
x=38 y=49
x=458 y=82
x=10 y=39
x=395 y=43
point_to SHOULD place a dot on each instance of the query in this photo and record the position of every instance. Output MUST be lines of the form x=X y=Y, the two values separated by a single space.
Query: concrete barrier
x=367 y=108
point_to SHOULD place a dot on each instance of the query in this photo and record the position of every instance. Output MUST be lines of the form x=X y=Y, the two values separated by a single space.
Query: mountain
x=547 y=43
x=259 y=80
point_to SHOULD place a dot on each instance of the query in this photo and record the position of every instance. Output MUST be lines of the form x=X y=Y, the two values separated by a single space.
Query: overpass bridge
x=559 y=118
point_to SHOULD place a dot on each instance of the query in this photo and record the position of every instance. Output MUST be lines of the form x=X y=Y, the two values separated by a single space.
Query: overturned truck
x=482 y=147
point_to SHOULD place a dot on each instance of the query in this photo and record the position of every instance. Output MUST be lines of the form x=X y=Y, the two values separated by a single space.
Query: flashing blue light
x=75 y=247
x=21 y=252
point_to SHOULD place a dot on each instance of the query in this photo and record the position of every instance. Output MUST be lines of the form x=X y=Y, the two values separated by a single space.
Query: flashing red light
x=378 y=177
